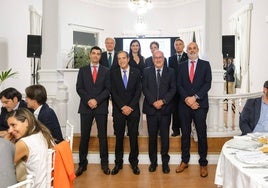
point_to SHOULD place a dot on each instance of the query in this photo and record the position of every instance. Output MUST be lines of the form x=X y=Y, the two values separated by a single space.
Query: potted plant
x=78 y=56
x=4 y=75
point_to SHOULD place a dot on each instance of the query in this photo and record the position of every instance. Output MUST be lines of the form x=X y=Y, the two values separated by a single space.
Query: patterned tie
x=179 y=58
x=158 y=82
x=95 y=73
x=110 y=59
x=192 y=71
x=125 y=78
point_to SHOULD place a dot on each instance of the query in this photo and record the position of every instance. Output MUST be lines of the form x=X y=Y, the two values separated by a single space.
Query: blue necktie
x=125 y=78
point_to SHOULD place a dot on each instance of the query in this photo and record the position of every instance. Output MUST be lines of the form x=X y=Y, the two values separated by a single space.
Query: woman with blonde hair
x=32 y=143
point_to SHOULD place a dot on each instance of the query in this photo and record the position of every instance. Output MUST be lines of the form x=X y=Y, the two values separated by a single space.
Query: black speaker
x=228 y=46
x=34 y=46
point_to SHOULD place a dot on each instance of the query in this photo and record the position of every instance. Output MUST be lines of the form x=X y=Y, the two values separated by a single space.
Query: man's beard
x=192 y=56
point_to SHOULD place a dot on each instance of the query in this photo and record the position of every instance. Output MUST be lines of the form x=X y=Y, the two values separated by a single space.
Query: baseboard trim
x=144 y=158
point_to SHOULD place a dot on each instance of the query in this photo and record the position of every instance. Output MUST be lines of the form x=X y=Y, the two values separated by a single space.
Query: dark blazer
x=48 y=117
x=201 y=83
x=129 y=96
x=167 y=90
x=4 y=112
x=173 y=63
x=250 y=115
x=104 y=60
x=87 y=90
x=149 y=62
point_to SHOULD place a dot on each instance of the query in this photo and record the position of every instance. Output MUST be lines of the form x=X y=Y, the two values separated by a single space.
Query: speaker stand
x=34 y=70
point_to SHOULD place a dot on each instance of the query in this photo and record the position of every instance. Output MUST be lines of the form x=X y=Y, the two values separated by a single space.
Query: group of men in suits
x=159 y=85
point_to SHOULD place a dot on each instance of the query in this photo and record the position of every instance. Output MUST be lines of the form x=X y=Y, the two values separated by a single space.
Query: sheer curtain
x=187 y=35
x=35 y=29
x=240 y=24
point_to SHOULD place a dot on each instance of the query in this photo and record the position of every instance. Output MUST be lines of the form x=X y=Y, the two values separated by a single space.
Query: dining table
x=242 y=164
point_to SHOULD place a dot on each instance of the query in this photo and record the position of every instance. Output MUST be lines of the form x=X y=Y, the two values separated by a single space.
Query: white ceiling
x=156 y=3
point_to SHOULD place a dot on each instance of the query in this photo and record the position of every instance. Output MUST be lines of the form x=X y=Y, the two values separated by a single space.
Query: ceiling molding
x=124 y=3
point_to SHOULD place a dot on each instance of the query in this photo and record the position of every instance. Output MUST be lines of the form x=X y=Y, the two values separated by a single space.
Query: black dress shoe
x=80 y=170
x=116 y=169
x=105 y=170
x=136 y=170
x=165 y=169
x=152 y=167
x=175 y=134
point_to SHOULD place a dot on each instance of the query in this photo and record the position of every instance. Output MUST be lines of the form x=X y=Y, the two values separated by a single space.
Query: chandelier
x=140 y=6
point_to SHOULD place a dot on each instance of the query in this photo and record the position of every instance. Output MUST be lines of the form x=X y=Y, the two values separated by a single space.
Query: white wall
x=15 y=26
x=14 y=21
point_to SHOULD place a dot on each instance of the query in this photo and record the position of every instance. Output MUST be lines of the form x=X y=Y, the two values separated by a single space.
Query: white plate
x=244 y=144
x=252 y=157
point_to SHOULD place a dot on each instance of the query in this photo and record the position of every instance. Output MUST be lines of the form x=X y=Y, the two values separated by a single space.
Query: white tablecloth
x=231 y=173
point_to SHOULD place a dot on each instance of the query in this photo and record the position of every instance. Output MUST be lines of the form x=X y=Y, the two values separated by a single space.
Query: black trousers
x=175 y=115
x=132 y=123
x=86 y=124
x=199 y=117
x=158 y=124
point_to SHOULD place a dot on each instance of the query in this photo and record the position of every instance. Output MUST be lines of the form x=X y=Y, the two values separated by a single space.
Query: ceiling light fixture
x=140 y=6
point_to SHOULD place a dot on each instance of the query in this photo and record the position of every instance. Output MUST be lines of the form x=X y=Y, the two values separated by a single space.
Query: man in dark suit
x=93 y=86
x=126 y=91
x=36 y=97
x=173 y=62
x=11 y=99
x=254 y=116
x=159 y=88
x=194 y=82
x=109 y=57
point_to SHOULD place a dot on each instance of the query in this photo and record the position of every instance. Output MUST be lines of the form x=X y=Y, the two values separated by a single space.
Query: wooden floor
x=190 y=178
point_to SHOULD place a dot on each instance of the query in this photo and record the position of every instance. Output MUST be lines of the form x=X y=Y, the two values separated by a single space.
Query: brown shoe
x=203 y=171
x=181 y=167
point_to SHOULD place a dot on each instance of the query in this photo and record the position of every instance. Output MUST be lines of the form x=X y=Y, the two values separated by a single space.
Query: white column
x=213 y=44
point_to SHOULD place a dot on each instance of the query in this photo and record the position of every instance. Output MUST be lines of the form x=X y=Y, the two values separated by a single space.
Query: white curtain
x=240 y=24
x=35 y=29
x=187 y=36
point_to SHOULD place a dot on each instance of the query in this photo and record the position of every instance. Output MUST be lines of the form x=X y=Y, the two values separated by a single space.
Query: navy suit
x=158 y=119
x=173 y=63
x=4 y=112
x=48 y=117
x=99 y=91
x=250 y=115
x=129 y=96
x=200 y=87
x=104 y=60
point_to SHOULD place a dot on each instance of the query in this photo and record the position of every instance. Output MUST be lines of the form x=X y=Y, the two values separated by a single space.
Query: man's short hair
x=10 y=93
x=265 y=84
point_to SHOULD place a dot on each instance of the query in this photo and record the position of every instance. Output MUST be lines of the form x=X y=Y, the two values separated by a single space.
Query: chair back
x=69 y=132
x=27 y=183
x=50 y=168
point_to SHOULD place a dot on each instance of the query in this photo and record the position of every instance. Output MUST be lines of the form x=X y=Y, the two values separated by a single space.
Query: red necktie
x=94 y=74
x=192 y=71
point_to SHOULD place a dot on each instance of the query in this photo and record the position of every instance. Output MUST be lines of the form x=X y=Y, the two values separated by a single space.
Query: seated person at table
x=11 y=99
x=32 y=142
x=7 y=170
x=36 y=97
x=254 y=116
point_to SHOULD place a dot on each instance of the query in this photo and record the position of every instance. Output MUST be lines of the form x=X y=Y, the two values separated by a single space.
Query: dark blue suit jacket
x=104 y=60
x=3 y=123
x=167 y=90
x=173 y=62
x=201 y=83
x=129 y=96
x=100 y=91
x=48 y=117
x=250 y=115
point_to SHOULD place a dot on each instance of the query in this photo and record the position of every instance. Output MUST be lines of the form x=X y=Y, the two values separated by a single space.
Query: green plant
x=7 y=74
x=78 y=56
